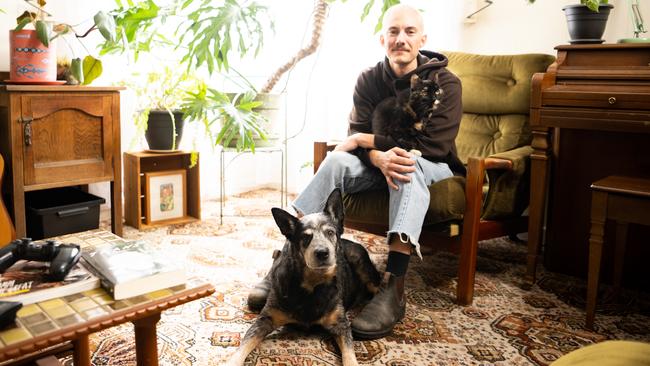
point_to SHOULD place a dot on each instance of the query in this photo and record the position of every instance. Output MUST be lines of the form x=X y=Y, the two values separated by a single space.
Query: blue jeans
x=407 y=206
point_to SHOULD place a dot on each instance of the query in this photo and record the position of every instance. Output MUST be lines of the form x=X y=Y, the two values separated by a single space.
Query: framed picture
x=165 y=195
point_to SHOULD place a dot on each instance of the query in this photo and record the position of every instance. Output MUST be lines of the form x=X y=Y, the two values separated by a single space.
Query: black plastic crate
x=58 y=211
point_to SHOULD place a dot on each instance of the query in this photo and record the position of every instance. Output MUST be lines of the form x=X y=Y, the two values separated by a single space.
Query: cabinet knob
x=611 y=100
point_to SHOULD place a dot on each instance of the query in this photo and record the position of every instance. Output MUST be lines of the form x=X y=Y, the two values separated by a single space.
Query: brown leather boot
x=380 y=315
x=258 y=295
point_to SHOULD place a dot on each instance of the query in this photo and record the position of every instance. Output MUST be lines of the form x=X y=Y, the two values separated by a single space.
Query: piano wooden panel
x=590 y=116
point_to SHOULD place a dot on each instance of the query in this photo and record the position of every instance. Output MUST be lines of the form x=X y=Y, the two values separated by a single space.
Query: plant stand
x=139 y=165
x=283 y=172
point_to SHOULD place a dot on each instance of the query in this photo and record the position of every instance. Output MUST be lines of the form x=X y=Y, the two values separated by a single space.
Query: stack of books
x=132 y=268
x=25 y=282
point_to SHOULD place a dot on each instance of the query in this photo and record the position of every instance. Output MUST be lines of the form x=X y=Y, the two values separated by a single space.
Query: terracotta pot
x=30 y=60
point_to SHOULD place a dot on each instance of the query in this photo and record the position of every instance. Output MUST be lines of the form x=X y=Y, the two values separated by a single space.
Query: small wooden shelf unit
x=136 y=164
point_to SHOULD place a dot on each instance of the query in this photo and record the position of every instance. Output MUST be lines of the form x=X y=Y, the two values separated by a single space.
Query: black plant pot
x=586 y=26
x=160 y=130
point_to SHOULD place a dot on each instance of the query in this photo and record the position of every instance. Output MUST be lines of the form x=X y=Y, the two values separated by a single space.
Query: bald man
x=369 y=161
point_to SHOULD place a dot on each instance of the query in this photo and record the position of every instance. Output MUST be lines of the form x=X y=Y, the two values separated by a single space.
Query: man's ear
x=334 y=208
x=287 y=223
x=382 y=40
x=423 y=40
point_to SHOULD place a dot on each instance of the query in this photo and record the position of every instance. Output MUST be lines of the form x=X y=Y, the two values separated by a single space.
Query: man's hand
x=349 y=144
x=353 y=141
x=393 y=163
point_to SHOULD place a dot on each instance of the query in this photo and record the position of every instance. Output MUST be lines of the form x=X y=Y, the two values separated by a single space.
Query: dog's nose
x=322 y=253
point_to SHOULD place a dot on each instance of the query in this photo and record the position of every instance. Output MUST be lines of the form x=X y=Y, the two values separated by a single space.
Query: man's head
x=402 y=37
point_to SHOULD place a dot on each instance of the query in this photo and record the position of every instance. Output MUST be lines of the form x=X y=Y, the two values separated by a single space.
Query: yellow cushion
x=608 y=353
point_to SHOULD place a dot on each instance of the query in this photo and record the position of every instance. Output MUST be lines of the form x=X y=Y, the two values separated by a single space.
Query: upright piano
x=590 y=116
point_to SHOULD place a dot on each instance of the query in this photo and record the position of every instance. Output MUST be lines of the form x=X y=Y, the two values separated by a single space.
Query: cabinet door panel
x=71 y=136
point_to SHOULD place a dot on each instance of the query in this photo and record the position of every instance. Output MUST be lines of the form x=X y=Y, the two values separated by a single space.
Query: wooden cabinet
x=56 y=136
x=589 y=116
x=138 y=164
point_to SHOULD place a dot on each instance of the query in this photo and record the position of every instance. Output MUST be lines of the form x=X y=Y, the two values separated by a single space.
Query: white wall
x=515 y=26
x=319 y=89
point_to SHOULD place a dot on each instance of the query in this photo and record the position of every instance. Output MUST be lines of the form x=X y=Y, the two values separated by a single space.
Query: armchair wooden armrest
x=321 y=148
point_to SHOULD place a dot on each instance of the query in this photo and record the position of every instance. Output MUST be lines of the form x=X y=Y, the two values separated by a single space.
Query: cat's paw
x=416 y=152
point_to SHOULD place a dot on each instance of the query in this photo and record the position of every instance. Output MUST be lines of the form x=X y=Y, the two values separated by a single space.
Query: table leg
x=619 y=256
x=81 y=353
x=539 y=175
x=18 y=208
x=116 y=206
x=598 y=217
x=146 y=340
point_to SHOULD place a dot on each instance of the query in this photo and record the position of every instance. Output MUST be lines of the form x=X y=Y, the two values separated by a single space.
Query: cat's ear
x=436 y=77
x=415 y=80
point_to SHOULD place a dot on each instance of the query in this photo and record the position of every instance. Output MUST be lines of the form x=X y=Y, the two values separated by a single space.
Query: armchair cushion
x=483 y=135
x=496 y=84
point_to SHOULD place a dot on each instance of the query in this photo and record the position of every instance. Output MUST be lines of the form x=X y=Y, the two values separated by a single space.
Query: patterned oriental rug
x=506 y=325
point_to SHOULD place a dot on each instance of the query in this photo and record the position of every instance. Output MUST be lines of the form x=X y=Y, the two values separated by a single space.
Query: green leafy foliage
x=206 y=32
x=92 y=68
x=384 y=7
x=138 y=25
x=236 y=116
x=43 y=32
x=106 y=25
x=213 y=32
x=591 y=4
x=76 y=69
x=159 y=90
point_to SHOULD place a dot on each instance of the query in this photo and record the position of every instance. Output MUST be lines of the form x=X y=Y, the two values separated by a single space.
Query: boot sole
x=370 y=335
x=360 y=334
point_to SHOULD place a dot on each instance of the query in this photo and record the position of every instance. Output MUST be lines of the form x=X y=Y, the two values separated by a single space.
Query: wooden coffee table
x=73 y=318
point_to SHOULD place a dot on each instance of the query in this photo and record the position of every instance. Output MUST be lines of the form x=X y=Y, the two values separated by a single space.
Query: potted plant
x=234 y=114
x=159 y=116
x=205 y=35
x=33 y=50
x=586 y=21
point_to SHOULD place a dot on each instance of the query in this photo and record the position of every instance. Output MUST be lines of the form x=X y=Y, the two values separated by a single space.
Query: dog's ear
x=287 y=223
x=334 y=208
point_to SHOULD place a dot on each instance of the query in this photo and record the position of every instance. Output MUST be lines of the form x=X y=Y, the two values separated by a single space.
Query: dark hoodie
x=437 y=140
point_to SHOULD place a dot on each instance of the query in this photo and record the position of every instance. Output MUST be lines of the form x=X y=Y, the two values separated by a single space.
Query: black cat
x=404 y=117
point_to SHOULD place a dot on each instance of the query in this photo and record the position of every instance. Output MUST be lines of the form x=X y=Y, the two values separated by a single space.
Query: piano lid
x=603 y=62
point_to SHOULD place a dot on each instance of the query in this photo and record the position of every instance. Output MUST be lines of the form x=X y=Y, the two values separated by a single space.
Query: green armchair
x=494 y=140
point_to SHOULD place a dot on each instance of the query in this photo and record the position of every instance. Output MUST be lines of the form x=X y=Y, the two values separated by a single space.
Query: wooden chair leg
x=619 y=256
x=469 y=239
x=598 y=217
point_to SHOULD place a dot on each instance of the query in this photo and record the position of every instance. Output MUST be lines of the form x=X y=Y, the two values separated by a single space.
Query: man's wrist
x=365 y=140
x=372 y=155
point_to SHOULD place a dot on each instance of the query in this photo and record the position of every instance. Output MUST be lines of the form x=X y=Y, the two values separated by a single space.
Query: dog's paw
x=236 y=359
